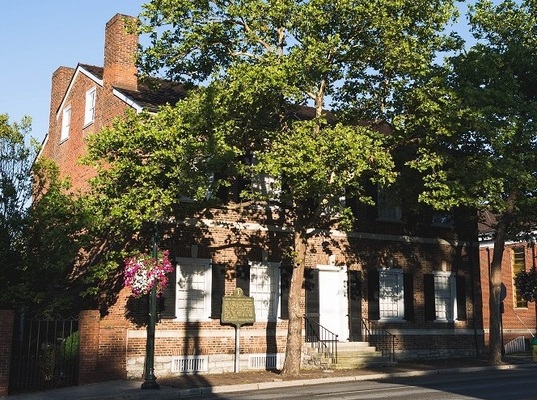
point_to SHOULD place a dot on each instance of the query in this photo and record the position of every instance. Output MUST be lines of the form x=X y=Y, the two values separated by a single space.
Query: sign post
x=237 y=310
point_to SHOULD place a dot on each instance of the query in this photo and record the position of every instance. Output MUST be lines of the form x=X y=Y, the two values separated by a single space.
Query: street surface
x=519 y=384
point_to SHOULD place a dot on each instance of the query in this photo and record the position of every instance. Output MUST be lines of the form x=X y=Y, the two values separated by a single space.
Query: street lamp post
x=150 y=381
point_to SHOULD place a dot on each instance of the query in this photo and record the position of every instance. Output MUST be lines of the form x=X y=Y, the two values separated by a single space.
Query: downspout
x=472 y=278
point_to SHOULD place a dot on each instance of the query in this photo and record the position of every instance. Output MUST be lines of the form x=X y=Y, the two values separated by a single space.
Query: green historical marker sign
x=237 y=309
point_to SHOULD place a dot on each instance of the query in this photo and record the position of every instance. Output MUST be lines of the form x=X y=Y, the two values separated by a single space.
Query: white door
x=333 y=302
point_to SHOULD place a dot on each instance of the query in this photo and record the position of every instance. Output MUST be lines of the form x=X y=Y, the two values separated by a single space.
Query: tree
x=266 y=72
x=478 y=134
x=40 y=227
x=16 y=157
x=54 y=232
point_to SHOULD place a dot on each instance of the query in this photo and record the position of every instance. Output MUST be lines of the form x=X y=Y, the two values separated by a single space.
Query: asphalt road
x=519 y=384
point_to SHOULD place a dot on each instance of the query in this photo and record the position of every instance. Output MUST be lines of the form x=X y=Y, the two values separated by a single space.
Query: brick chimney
x=60 y=81
x=120 y=49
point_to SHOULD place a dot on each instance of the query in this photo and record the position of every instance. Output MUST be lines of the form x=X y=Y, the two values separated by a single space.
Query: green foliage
x=526 y=284
x=51 y=239
x=478 y=115
x=359 y=52
x=69 y=348
x=16 y=156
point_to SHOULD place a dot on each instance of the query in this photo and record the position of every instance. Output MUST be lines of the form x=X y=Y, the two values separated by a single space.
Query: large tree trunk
x=293 y=351
x=495 y=334
x=495 y=282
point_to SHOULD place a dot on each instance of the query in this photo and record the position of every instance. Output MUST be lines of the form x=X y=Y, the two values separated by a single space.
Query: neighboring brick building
x=518 y=315
x=410 y=273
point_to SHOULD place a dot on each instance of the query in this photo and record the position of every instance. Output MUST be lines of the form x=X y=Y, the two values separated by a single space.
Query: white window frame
x=259 y=294
x=392 y=297
x=182 y=312
x=66 y=124
x=450 y=302
x=89 y=111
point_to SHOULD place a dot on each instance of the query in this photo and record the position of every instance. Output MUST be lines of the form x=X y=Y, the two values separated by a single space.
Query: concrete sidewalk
x=188 y=385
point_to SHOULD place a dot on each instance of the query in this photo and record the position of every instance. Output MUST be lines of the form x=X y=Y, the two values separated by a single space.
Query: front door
x=333 y=301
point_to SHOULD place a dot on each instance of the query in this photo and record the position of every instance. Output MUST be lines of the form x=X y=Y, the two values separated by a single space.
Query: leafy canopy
x=482 y=117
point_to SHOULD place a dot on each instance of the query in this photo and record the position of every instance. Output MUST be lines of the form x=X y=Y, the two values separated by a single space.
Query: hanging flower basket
x=142 y=272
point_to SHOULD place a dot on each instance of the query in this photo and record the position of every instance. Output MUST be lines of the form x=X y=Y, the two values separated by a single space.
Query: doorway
x=333 y=301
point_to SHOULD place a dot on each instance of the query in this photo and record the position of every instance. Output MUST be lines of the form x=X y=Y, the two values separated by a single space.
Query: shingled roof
x=151 y=94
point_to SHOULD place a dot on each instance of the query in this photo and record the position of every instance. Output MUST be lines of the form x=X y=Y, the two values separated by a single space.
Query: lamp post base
x=150 y=384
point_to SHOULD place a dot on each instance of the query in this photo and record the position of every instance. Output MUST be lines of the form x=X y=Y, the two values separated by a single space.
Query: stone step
x=350 y=355
x=345 y=347
x=362 y=362
x=352 y=345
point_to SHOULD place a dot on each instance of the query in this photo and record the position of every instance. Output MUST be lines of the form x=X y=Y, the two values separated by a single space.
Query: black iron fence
x=44 y=353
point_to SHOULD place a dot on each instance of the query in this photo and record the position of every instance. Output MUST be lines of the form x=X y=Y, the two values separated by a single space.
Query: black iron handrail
x=383 y=340
x=321 y=338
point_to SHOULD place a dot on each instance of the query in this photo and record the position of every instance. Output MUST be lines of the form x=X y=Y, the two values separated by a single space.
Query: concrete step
x=361 y=360
x=350 y=355
x=345 y=347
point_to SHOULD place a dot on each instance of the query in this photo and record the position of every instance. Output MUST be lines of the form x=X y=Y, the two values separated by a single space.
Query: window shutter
x=408 y=288
x=166 y=302
x=373 y=291
x=285 y=284
x=311 y=283
x=460 y=282
x=243 y=278
x=428 y=294
x=218 y=273
x=354 y=279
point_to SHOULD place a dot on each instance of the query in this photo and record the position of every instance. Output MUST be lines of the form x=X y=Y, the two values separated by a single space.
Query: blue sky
x=37 y=37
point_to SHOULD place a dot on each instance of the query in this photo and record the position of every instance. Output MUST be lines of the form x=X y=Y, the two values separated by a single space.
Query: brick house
x=413 y=275
x=518 y=315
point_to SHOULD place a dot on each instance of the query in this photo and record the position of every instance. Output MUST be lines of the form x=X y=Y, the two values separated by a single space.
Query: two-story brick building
x=413 y=276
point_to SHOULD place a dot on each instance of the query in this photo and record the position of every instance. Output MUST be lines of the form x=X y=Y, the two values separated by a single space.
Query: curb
x=304 y=382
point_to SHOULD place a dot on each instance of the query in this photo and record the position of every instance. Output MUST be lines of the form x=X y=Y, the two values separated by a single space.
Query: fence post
x=88 y=327
x=6 y=338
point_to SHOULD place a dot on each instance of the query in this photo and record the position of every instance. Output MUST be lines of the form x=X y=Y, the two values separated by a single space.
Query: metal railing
x=379 y=337
x=322 y=339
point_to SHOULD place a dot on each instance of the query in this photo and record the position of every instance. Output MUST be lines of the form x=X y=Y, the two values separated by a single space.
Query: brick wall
x=6 y=338
x=88 y=325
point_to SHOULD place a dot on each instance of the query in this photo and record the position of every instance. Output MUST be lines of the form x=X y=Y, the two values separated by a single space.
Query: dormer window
x=66 y=123
x=89 y=111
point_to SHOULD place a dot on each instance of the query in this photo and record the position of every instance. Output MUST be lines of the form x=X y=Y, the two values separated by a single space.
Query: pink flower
x=142 y=272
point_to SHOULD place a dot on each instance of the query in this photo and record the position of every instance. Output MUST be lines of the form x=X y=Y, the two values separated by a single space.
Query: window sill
x=392 y=320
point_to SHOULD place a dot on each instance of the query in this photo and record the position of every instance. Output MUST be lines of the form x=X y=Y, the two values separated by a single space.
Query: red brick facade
x=113 y=346
x=6 y=334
